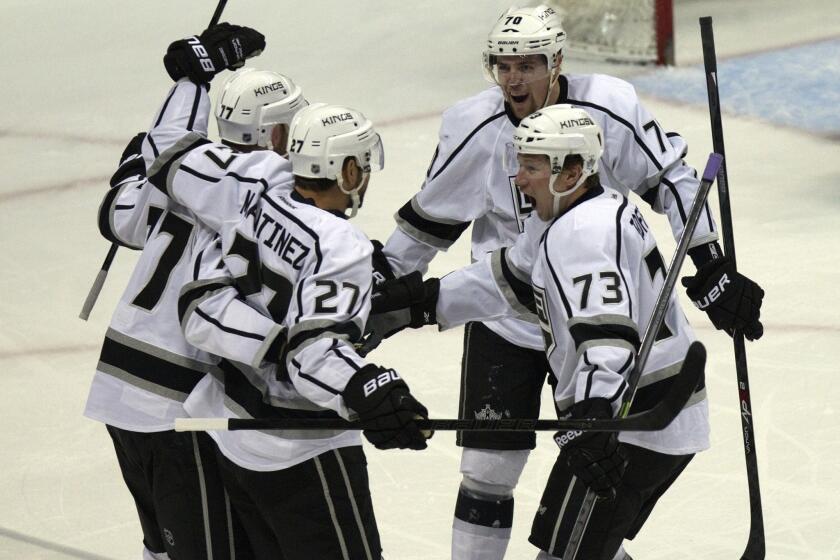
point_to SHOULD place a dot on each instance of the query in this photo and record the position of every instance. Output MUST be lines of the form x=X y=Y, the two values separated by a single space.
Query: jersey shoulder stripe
x=466 y=140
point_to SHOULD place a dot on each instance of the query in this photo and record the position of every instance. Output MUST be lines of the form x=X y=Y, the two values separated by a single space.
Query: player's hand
x=398 y=303
x=221 y=47
x=131 y=161
x=381 y=267
x=730 y=299
x=596 y=458
x=386 y=408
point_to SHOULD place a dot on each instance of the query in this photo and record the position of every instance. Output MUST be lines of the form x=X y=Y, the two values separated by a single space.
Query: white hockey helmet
x=525 y=31
x=322 y=136
x=558 y=131
x=252 y=102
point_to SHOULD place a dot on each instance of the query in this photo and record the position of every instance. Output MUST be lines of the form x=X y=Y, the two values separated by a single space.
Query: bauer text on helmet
x=523 y=56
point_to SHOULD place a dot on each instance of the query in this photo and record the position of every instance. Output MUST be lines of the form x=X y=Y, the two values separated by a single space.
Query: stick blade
x=684 y=385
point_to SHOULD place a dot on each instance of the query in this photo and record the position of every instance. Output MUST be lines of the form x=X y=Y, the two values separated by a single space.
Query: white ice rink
x=79 y=77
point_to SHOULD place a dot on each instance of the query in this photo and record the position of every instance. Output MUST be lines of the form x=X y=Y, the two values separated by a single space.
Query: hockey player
x=146 y=368
x=503 y=367
x=296 y=259
x=595 y=275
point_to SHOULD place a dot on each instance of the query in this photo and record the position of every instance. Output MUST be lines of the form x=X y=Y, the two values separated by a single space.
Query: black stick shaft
x=217 y=15
x=755 y=545
x=99 y=281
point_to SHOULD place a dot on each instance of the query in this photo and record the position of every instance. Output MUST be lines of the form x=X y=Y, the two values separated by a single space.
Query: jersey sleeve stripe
x=460 y=147
x=165 y=105
x=519 y=294
x=106 y=217
x=341 y=355
x=240 y=390
x=680 y=207
x=154 y=147
x=227 y=329
x=159 y=173
x=436 y=232
x=554 y=277
x=196 y=292
x=194 y=110
x=314 y=380
x=589 y=332
x=618 y=231
x=299 y=337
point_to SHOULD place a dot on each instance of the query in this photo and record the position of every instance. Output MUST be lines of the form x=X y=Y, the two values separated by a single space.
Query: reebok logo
x=714 y=293
x=566 y=438
x=201 y=53
x=382 y=379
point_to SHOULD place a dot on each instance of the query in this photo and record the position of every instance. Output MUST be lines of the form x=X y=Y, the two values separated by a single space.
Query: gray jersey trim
x=204 y=507
x=355 y=507
x=505 y=288
x=615 y=342
x=270 y=337
x=140 y=383
x=605 y=319
x=344 y=554
x=157 y=352
x=163 y=159
x=426 y=216
x=421 y=236
x=205 y=296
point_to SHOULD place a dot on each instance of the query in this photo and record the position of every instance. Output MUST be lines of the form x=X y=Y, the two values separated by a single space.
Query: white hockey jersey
x=281 y=266
x=146 y=368
x=596 y=276
x=310 y=272
x=466 y=182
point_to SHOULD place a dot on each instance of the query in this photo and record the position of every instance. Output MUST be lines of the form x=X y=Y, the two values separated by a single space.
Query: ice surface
x=80 y=77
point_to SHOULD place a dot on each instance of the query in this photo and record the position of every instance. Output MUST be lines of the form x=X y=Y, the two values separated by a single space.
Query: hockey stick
x=656 y=418
x=755 y=544
x=99 y=281
x=712 y=166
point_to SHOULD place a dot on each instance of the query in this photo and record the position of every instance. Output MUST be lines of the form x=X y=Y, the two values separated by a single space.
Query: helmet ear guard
x=253 y=102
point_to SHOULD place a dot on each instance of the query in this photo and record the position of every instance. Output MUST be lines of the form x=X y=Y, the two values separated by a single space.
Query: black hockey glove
x=386 y=408
x=381 y=267
x=221 y=47
x=596 y=458
x=402 y=302
x=730 y=299
x=131 y=161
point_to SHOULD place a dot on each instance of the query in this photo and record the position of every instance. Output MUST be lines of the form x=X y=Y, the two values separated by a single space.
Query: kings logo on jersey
x=522 y=206
x=545 y=320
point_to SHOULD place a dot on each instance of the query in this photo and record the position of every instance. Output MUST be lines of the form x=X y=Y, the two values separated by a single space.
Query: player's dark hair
x=311 y=184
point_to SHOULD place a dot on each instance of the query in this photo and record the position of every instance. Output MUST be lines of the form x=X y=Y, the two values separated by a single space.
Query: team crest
x=522 y=207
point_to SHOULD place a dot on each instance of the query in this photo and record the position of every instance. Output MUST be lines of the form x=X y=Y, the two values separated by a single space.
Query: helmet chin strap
x=355 y=199
x=559 y=196
x=555 y=75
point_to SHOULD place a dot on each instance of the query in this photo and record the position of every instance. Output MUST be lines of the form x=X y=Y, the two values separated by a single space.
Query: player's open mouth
x=519 y=98
x=530 y=200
